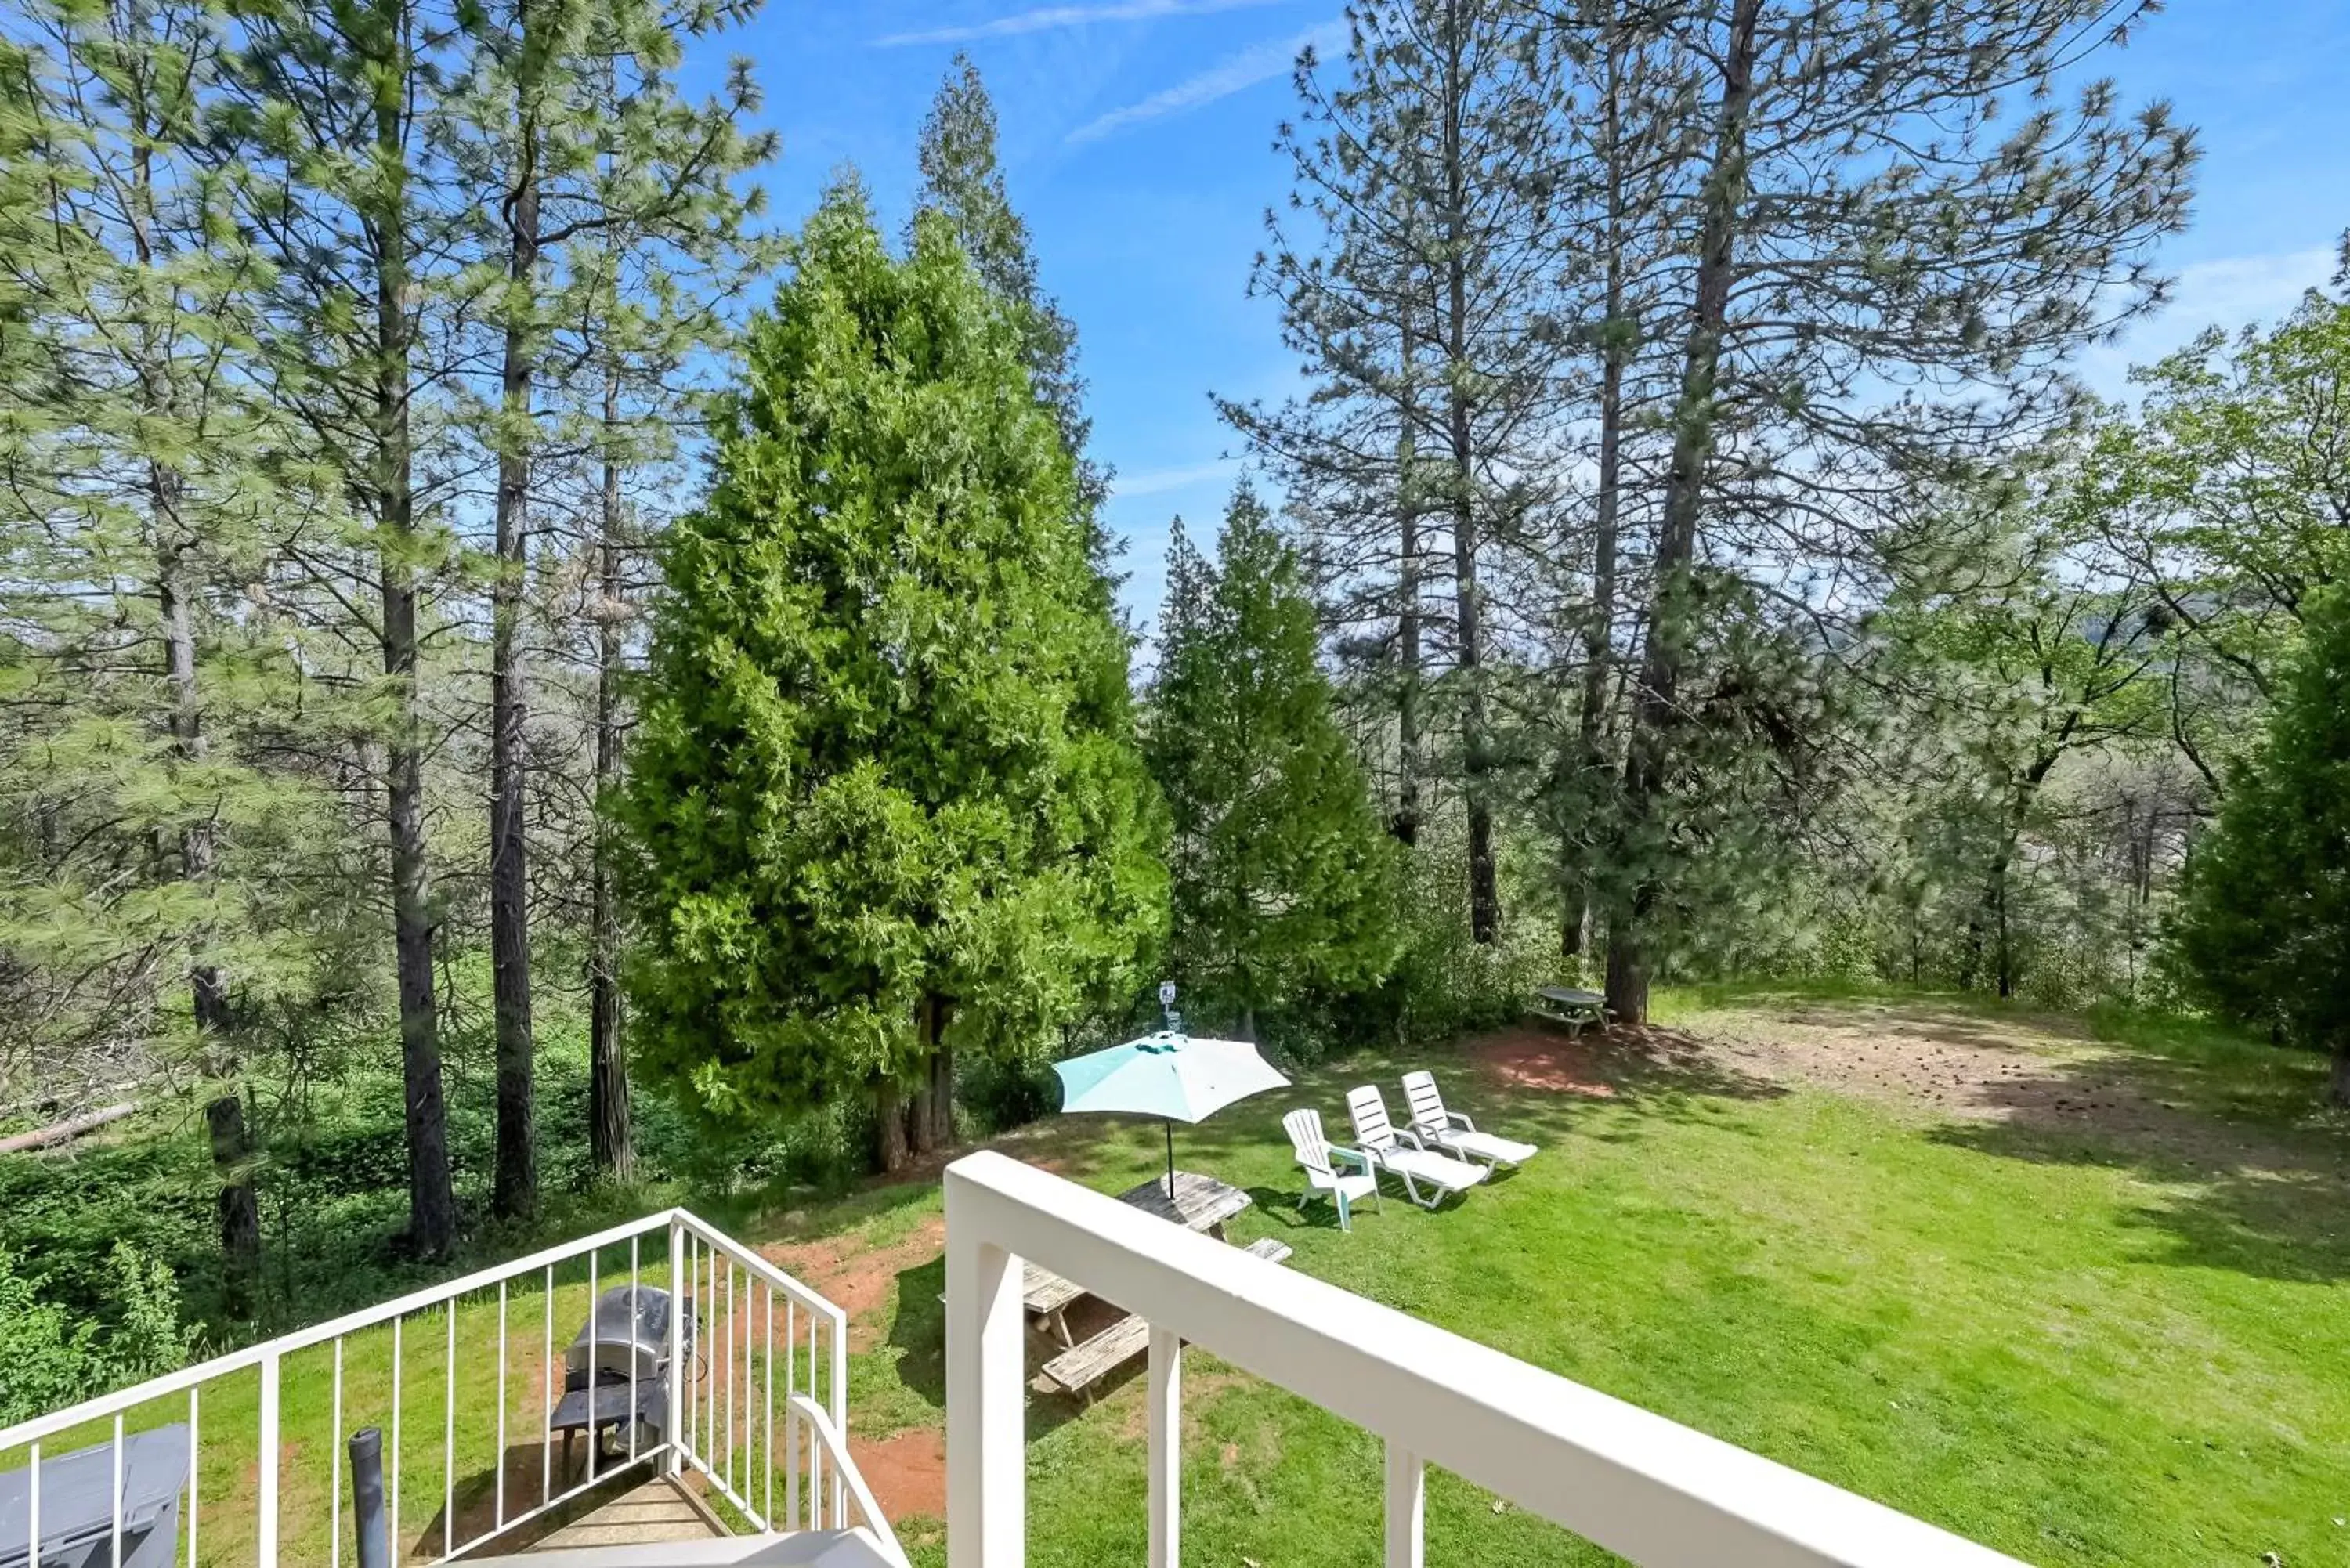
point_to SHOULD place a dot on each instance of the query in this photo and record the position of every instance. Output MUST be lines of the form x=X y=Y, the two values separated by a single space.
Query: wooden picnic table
x=1198 y=1203
x=1571 y=1005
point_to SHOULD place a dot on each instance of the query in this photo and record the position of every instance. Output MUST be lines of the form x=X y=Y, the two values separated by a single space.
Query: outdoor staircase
x=703 y=1376
x=852 y=1548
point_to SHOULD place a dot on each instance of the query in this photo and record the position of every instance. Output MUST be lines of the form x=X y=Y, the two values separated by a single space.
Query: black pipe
x=367 y=1496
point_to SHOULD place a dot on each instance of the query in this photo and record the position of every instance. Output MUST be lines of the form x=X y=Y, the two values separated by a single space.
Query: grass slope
x=2087 y=1343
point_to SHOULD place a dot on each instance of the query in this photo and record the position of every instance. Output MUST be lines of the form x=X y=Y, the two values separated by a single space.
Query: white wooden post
x=1166 y=1447
x=987 y=1457
x=673 y=1422
x=1406 y=1506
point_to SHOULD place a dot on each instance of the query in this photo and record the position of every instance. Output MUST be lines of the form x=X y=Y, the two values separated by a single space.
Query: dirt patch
x=907 y=1472
x=857 y=1278
x=1947 y=1062
x=1952 y=1063
x=2043 y=1080
x=1537 y=1059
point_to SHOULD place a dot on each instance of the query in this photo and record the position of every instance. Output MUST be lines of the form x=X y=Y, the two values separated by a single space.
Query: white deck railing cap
x=1659 y=1493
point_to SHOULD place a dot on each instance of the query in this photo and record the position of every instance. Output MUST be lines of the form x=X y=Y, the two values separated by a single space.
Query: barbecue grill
x=626 y=1336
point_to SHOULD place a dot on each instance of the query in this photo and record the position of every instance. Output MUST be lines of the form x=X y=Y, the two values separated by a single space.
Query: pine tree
x=1827 y=253
x=1425 y=181
x=885 y=799
x=337 y=123
x=2029 y=639
x=2263 y=930
x=142 y=675
x=1283 y=880
x=651 y=307
x=568 y=111
x=962 y=179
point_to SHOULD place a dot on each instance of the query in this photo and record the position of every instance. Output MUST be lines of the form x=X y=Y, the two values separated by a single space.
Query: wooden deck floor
x=660 y=1510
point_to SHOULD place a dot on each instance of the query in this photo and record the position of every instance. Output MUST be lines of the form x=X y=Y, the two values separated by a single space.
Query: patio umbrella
x=1169 y=1075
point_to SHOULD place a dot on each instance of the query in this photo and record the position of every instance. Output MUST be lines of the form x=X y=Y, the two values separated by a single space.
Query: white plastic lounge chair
x=1315 y=1153
x=1454 y=1133
x=1404 y=1154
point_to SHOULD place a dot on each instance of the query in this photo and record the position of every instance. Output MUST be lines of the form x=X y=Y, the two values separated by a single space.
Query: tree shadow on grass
x=918 y=1334
x=2244 y=1192
x=1518 y=1082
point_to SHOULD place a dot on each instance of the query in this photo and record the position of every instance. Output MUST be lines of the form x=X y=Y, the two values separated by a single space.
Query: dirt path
x=2037 y=1074
x=1945 y=1060
x=855 y=1277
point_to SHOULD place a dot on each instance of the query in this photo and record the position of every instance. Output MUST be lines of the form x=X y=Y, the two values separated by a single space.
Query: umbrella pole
x=1170 y=1159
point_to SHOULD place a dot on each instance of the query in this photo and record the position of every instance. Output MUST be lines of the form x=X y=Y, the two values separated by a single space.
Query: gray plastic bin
x=76 y=1514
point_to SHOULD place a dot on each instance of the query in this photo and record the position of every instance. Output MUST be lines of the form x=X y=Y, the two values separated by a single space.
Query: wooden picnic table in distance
x=1571 y=1006
x=1200 y=1203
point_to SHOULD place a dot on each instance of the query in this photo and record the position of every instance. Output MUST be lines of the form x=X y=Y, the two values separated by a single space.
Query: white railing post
x=673 y=1423
x=1406 y=1506
x=1166 y=1447
x=266 y=1507
x=791 y=1465
x=986 y=1418
x=838 y=1394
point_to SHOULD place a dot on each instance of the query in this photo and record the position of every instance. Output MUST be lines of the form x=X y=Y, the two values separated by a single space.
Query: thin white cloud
x=2227 y=291
x=1245 y=69
x=1160 y=481
x=1044 y=18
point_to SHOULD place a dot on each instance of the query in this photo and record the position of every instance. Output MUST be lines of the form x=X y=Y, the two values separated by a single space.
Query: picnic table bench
x=1198 y=1203
x=1570 y=1005
x=1078 y=1368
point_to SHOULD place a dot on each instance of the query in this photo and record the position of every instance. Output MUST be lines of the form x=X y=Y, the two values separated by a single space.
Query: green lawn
x=2097 y=1315
x=2124 y=1341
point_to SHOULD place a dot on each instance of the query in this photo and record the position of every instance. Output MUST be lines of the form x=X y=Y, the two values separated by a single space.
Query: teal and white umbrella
x=1174 y=1076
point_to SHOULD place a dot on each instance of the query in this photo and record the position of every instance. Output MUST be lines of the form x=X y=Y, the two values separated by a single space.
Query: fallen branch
x=65 y=1131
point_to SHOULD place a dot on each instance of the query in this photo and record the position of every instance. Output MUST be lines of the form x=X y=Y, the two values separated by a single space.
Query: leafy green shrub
x=1006 y=1092
x=2263 y=931
x=54 y=1357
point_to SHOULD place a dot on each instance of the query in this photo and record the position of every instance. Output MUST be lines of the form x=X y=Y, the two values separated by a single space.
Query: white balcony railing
x=1655 y=1492
x=768 y=1363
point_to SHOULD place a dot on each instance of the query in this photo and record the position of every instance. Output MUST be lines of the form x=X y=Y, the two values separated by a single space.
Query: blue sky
x=1136 y=142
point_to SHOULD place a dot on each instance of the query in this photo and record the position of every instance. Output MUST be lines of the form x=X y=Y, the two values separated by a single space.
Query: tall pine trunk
x=432 y=1199
x=514 y=1193
x=890 y=1151
x=610 y=1140
x=237 y=1206
x=1598 y=641
x=1484 y=888
x=1656 y=703
x=1405 y=825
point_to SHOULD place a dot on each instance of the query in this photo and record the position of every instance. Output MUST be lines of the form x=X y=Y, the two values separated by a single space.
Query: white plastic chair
x=1403 y=1153
x=1315 y=1153
x=1451 y=1131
